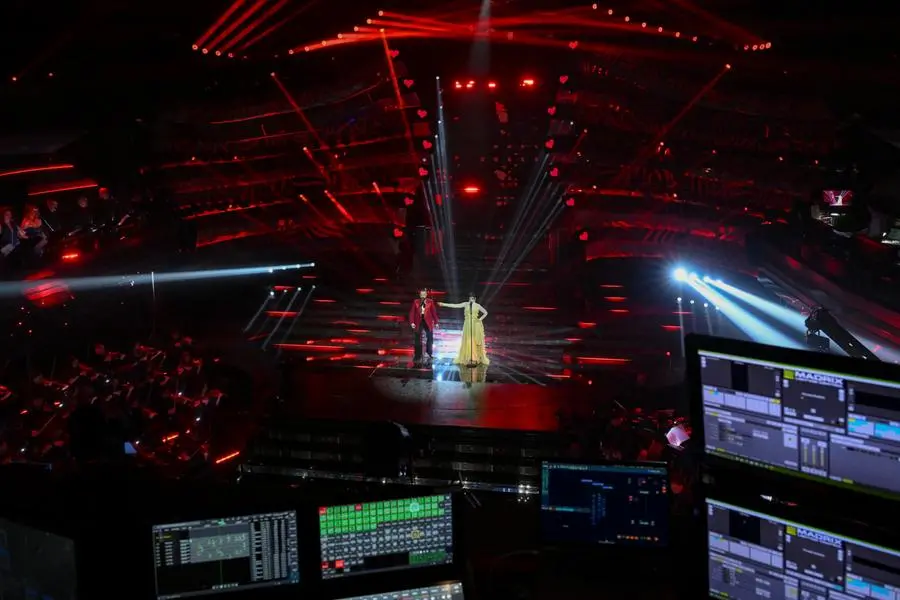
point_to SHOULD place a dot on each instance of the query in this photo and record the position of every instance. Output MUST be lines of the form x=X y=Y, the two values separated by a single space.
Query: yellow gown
x=471 y=349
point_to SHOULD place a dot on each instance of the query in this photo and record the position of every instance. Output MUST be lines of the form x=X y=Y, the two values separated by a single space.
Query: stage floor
x=421 y=397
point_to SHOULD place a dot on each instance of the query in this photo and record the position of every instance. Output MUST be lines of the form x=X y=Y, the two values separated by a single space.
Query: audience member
x=33 y=229
x=10 y=234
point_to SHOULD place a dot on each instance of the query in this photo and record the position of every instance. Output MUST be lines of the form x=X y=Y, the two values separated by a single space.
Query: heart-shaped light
x=551 y=111
x=423 y=172
x=422 y=113
x=583 y=236
x=395 y=53
x=573 y=45
x=408 y=201
x=426 y=144
x=554 y=172
x=408 y=82
x=563 y=79
x=398 y=233
x=570 y=202
x=548 y=144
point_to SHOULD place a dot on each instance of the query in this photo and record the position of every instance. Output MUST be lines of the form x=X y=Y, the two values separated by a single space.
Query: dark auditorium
x=478 y=300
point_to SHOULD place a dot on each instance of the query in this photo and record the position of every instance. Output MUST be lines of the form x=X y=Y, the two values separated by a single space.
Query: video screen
x=605 y=504
x=384 y=536
x=35 y=564
x=837 y=197
x=754 y=555
x=832 y=427
x=444 y=591
x=221 y=555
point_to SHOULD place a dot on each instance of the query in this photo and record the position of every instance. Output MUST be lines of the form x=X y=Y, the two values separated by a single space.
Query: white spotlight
x=680 y=274
x=692 y=301
x=706 y=305
x=678 y=299
x=707 y=278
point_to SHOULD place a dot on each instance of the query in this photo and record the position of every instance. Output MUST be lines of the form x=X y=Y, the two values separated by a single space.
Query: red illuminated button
x=338 y=564
x=323 y=510
x=325 y=565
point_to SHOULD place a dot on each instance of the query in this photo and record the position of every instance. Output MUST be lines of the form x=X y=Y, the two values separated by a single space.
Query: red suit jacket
x=415 y=313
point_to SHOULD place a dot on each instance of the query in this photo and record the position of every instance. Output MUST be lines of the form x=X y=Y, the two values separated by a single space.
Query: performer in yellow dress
x=471 y=351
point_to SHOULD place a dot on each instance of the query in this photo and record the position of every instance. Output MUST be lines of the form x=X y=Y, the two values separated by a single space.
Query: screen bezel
x=789 y=512
x=792 y=486
x=544 y=540
x=415 y=577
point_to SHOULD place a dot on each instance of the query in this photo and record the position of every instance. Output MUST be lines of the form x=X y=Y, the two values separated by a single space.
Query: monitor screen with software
x=451 y=590
x=756 y=555
x=213 y=556
x=829 y=425
x=624 y=504
x=35 y=563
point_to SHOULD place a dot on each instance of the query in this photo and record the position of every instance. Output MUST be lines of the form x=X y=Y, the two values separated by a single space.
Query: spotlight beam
x=14 y=289
x=754 y=328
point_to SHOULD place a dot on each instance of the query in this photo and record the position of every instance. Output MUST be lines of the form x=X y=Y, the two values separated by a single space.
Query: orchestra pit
x=513 y=300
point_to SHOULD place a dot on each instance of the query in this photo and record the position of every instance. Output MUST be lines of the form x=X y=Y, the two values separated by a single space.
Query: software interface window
x=445 y=591
x=387 y=535
x=830 y=425
x=605 y=504
x=753 y=555
x=216 y=555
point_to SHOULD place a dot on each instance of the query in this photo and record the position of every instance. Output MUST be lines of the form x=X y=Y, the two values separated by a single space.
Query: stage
x=420 y=398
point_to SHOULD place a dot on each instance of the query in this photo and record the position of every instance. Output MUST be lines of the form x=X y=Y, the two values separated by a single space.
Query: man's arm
x=412 y=314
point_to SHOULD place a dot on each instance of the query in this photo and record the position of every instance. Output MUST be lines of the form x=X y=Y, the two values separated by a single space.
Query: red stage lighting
x=70 y=256
x=457 y=85
x=583 y=236
x=471 y=189
x=470 y=85
x=408 y=201
x=570 y=202
x=527 y=83
x=492 y=85
x=398 y=233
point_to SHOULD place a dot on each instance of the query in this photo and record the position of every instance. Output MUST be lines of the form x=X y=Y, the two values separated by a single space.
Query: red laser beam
x=29 y=170
x=231 y=28
x=218 y=23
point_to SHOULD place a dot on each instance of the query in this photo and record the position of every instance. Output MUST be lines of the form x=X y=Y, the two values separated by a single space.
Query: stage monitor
x=837 y=198
x=36 y=564
x=452 y=590
x=220 y=555
x=621 y=504
x=825 y=424
x=387 y=535
x=756 y=555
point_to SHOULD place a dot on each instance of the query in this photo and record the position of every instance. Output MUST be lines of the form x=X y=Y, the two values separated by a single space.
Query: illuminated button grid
x=420 y=527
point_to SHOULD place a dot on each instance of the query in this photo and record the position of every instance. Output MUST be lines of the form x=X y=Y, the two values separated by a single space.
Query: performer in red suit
x=423 y=317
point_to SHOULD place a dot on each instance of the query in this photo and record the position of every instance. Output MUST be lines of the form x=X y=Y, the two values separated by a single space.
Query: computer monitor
x=387 y=535
x=773 y=408
x=35 y=563
x=213 y=556
x=756 y=555
x=592 y=504
x=451 y=590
